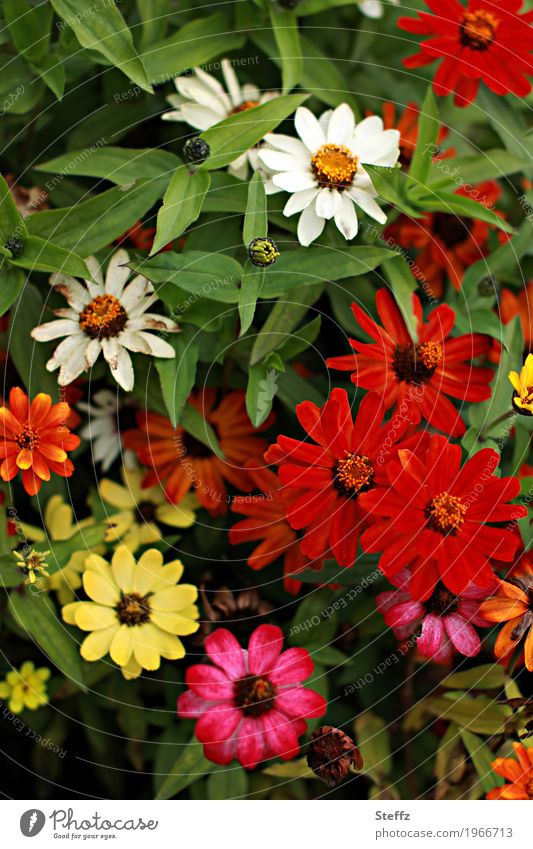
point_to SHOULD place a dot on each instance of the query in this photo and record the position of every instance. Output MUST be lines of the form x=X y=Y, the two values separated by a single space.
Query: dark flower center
x=27 y=438
x=442 y=602
x=334 y=166
x=477 y=29
x=451 y=229
x=446 y=513
x=103 y=317
x=146 y=511
x=417 y=363
x=133 y=609
x=254 y=695
x=353 y=475
x=189 y=446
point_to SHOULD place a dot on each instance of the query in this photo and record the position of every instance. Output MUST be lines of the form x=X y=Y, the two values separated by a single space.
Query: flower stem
x=497 y=421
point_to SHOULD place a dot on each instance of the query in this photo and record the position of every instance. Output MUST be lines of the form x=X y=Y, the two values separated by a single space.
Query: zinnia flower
x=250 y=705
x=445 y=620
x=323 y=169
x=142 y=510
x=523 y=387
x=181 y=462
x=433 y=515
x=104 y=413
x=137 y=612
x=203 y=102
x=324 y=479
x=488 y=40
x=34 y=439
x=25 y=688
x=332 y=754
x=110 y=317
x=513 y=604
x=519 y=772
x=416 y=378
x=266 y=521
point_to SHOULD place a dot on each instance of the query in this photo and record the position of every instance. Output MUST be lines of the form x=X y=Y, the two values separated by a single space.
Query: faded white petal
x=327 y=203
x=310 y=226
x=346 y=218
x=117 y=276
x=55 y=329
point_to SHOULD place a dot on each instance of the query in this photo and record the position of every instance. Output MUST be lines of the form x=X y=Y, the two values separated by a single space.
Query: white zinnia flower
x=324 y=171
x=102 y=428
x=202 y=102
x=374 y=8
x=109 y=317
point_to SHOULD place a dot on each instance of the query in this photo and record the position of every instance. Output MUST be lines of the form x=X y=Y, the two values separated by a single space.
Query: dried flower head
x=331 y=754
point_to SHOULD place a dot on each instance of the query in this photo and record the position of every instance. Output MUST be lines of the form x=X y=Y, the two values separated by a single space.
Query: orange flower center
x=417 y=363
x=254 y=695
x=477 y=29
x=446 y=513
x=244 y=106
x=353 y=474
x=103 y=317
x=334 y=166
x=133 y=609
x=27 y=438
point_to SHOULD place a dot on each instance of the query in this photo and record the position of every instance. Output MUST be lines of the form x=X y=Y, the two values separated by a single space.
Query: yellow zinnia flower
x=141 y=509
x=25 y=688
x=60 y=525
x=33 y=564
x=523 y=388
x=137 y=612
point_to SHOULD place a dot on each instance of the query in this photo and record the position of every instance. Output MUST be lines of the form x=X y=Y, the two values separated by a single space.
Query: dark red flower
x=325 y=478
x=486 y=40
x=416 y=378
x=433 y=516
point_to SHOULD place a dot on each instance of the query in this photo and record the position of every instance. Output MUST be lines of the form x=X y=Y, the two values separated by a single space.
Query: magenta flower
x=447 y=620
x=250 y=705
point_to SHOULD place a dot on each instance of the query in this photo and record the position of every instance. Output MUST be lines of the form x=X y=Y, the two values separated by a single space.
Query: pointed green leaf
x=285 y=26
x=41 y=255
x=182 y=204
x=190 y=766
x=177 y=375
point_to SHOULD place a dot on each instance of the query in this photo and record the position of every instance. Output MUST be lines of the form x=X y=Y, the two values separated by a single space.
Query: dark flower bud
x=288 y=4
x=331 y=754
x=263 y=252
x=16 y=245
x=196 y=151
x=488 y=288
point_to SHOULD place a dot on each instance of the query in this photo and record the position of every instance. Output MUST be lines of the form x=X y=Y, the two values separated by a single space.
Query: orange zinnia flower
x=407 y=124
x=513 y=604
x=179 y=461
x=34 y=439
x=519 y=772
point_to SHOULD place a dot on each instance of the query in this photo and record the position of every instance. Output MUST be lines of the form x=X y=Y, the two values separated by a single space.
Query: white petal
x=216 y=87
x=152 y=321
x=232 y=83
x=68 y=346
x=158 y=346
x=134 y=342
x=76 y=294
x=372 y=8
x=194 y=90
x=73 y=366
x=116 y=276
x=380 y=149
x=200 y=117
x=324 y=121
x=308 y=128
x=296 y=181
x=299 y=201
x=368 y=204
x=239 y=167
x=288 y=144
x=277 y=161
x=92 y=352
x=346 y=218
x=123 y=374
x=55 y=329
x=136 y=293
x=110 y=348
x=341 y=125
x=251 y=92
x=310 y=226
x=96 y=273
x=327 y=203
x=368 y=127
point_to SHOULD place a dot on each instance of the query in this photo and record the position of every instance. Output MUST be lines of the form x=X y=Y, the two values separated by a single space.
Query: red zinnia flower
x=407 y=124
x=324 y=481
x=488 y=40
x=34 y=439
x=267 y=522
x=417 y=378
x=433 y=517
x=181 y=462
x=519 y=772
x=250 y=705
x=447 y=244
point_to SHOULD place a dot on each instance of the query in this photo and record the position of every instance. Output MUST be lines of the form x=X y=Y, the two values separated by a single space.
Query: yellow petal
x=118 y=524
x=131 y=669
x=98 y=564
x=169 y=575
x=133 y=479
x=123 y=565
x=121 y=645
x=26 y=669
x=68 y=612
x=5 y=690
x=145 y=647
x=96 y=644
x=147 y=571
x=168 y=645
x=149 y=533
x=94 y=617
x=58 y=519
x=175 y=516
x=116 y=495
x=100 y=589
x=174 y=598
x=174 y=623
x=515 y=380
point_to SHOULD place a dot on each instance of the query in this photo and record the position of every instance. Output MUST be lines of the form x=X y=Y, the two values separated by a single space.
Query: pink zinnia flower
x=250 y=705
x=446 y=619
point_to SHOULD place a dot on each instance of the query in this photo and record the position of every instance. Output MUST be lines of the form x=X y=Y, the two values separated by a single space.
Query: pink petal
x=264 y=649
x=191 y=706
x=463 y=636
x=250 y=746
x=432 y=636
x=224 y=650
x=280 y=735
x=221 y=753
x=293 y=667
x=217 y=724
x=299 y=702
x=403 y=614
x=210 y=682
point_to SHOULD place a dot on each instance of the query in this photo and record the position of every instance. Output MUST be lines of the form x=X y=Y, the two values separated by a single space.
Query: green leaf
x=374 y=745
x=106 y=32
x=293 y=389
x=490 y=676
x=481 y=715
x=391 y=185
x=285 y=26
x=83 y=540
x=238 y=133
x=42 y=255
x=251 y=284
x=262 y=388
x=10 y=574
x=29 y=356
x=11 y=221
x=282 y=319
x=190 y=766
x=119 y=165
x=155 y=16
x=403 y=285
x=504 y=258
x=428 y=129
x=195 y=424
x=226 y=193
x=482 y=758
x=440 y=201
x=227 y=782
x=469 y=170
x=29 y=28
x=182 y=204
x=202 y=275
x=177 y=375
x=37 y=615
x=256 y=217
x=11 y=284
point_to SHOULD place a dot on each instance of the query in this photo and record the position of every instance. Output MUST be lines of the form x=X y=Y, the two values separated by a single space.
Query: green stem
x=497 y=421
x=5 y=548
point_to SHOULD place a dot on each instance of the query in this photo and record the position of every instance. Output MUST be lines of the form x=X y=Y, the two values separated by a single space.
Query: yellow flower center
x=353 y=474
x=244 y=106
x=133 y=609
x=478 y=29
x=103 y=317
x=417 y=363
x=334 y=166
x=254 y=695
x=446 y=513
x=27 y=438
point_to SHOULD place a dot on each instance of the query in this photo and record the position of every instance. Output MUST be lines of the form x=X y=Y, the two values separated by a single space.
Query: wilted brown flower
x=27 y=201
x=331 y=754
x=242 y=611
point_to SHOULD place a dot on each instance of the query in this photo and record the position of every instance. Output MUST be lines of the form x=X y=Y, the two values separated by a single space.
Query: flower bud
x=331 y=754
x=16 y=245
x=488 y=287
x=196 y=151
x=263 y=252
